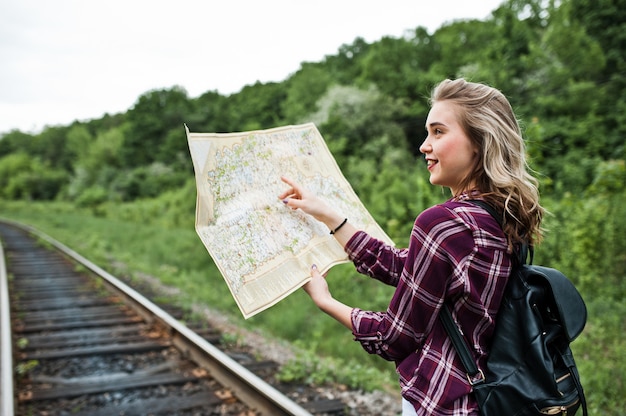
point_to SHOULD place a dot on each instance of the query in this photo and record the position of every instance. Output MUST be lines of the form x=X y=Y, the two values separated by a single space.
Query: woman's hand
x=298 y=197
x=317 y=289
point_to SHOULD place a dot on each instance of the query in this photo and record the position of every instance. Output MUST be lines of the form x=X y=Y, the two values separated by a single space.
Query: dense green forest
x=127 y=180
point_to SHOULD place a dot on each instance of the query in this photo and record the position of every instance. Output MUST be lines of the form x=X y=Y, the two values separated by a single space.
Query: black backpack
x=530 y=368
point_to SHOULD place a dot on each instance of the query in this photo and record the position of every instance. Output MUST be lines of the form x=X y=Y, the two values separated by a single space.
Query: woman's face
x=448 y=151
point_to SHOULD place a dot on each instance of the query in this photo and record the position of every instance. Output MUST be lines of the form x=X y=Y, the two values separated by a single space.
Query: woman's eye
x=438 y=132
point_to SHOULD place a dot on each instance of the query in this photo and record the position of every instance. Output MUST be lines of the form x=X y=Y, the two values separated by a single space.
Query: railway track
x=85 y=343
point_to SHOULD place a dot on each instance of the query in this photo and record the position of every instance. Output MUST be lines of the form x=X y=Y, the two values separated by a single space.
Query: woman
x=458 y=254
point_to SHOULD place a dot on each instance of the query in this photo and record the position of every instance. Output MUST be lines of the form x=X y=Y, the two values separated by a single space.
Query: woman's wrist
x=334 y=231
x=337 y=310
x=334 y=222
x=324 y=302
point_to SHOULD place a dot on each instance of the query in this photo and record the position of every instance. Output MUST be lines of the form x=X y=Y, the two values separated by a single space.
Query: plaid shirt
x=458 y=255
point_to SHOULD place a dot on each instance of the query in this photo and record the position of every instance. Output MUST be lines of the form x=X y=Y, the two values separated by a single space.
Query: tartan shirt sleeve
x=457 y=254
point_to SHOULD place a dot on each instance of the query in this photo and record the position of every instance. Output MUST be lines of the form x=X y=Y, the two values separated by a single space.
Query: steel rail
x=6 y=359
x=247 y=386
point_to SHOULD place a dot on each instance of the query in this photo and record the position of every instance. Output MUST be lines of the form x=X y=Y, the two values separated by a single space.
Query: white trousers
x=407 y=408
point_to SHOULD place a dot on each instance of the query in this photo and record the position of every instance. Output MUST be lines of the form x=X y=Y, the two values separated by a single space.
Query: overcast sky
x=67 y=60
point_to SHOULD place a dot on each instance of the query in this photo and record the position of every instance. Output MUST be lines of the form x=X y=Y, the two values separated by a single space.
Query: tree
x=393 y=65
x=605 y=22
x=358 y=118
x=14 y=141
x=153 y=116
x=50 y=145
x=23 y=176
x=211 y=113
x=79 y=140
x=344 y=67
x=461 y=47
x=257 y=106
x=99 y=165
x=304 y=89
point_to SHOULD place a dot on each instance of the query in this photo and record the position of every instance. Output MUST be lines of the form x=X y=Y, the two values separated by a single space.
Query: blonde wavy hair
x=501 y=173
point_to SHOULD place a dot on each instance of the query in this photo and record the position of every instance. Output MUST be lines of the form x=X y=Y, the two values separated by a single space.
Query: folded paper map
x=264 y=249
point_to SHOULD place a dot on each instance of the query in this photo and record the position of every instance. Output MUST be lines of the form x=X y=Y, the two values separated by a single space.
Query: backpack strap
x=474 y=374
x=489 y=208
x=525 y=251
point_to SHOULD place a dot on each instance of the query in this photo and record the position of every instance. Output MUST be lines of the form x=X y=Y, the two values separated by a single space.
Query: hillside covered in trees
x=562 y=64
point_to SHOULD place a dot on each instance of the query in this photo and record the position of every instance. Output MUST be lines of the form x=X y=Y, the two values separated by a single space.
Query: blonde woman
x=458 y=254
